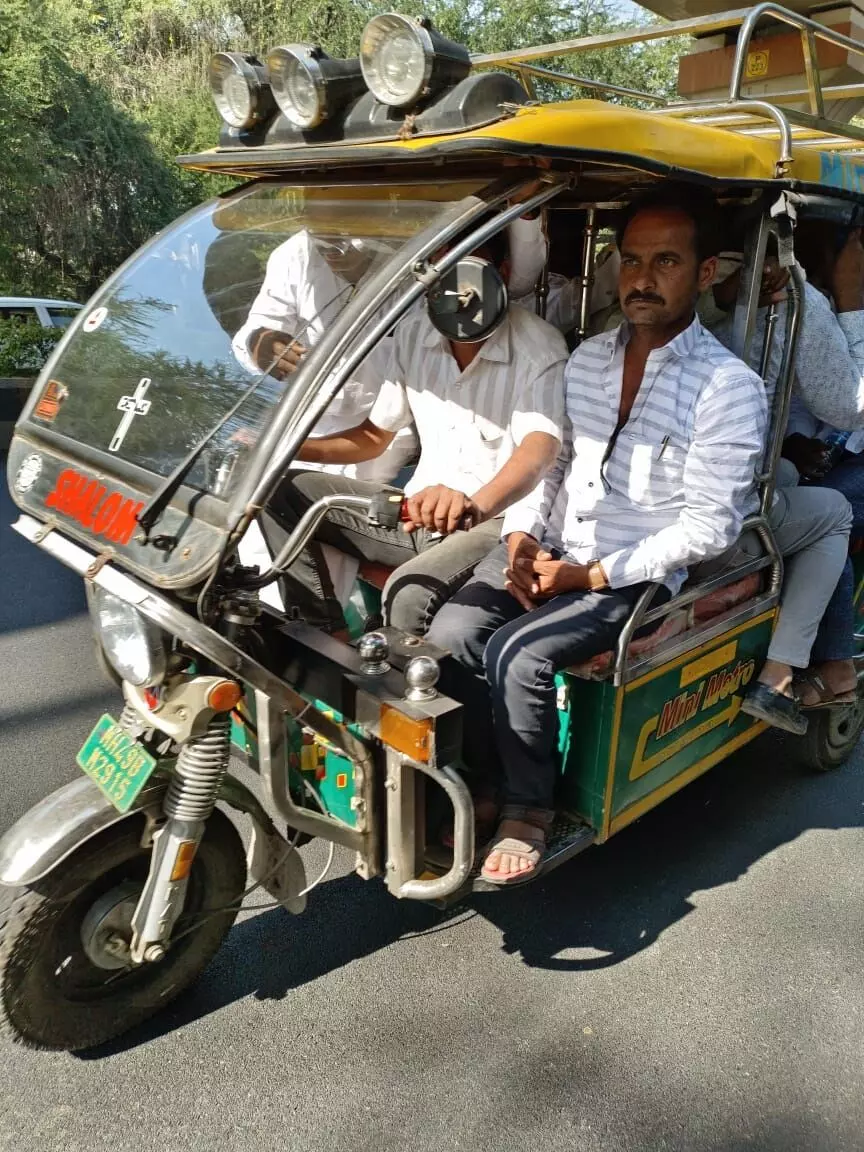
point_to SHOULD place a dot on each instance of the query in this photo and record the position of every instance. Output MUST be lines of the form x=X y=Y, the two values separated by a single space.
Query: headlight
x=136 y=649
x=240 y=89
x=308 y=85
x=403 y=59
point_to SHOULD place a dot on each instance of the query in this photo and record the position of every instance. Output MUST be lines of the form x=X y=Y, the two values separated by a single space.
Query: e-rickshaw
x=150 y=444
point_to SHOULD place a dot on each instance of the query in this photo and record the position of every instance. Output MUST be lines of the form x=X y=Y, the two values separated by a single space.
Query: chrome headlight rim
x=305 y=57
x=383 y=26
x=250 y=69
x=150 y=644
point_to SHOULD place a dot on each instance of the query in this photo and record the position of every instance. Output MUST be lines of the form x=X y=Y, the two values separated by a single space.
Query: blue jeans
x=503 y=667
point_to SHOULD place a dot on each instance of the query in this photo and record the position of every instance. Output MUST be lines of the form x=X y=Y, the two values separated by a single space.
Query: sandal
x=764 y=703
x=826 y=698
x=532 y=848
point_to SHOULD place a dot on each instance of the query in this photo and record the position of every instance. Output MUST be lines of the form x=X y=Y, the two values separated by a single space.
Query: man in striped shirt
x=489 y=417
x=667 y=430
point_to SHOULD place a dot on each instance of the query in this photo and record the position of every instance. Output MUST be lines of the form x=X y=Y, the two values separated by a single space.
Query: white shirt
x=680 y=479
x=470 y=422
x=301 y=297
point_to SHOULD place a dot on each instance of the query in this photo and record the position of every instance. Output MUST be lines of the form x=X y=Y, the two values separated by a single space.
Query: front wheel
x=65 y=982
x=832 y=735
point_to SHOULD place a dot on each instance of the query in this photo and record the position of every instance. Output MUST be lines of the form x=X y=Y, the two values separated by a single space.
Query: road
x=694 y=985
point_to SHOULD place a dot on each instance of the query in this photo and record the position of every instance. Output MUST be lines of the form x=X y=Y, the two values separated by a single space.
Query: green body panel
x=314 y=765
x=587 y=713
x=671 y=720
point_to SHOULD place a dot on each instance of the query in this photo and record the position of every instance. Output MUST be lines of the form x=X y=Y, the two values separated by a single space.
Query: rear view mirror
x=469 y=302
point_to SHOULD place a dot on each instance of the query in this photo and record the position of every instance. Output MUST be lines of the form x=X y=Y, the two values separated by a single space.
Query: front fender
x=62 y=822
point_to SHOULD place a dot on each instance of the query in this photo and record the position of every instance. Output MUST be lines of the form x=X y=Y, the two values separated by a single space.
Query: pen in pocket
x=663 y=444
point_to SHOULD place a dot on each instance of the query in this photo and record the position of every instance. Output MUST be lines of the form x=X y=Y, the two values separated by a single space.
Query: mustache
x=644 y=297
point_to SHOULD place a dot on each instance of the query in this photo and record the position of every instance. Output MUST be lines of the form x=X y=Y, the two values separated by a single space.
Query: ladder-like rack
x=773 y=118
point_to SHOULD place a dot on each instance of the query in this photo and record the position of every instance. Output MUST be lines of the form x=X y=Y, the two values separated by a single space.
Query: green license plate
x=116 y=762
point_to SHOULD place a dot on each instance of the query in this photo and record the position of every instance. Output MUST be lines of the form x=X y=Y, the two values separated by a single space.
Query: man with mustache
x=657 y=474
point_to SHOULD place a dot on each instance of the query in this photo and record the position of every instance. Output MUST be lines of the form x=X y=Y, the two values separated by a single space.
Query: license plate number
x=116 y=762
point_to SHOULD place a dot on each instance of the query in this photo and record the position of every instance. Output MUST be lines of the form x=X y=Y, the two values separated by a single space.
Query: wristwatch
x=596 y=576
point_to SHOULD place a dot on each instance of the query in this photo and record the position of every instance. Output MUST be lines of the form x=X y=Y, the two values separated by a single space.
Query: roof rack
x=736 y=113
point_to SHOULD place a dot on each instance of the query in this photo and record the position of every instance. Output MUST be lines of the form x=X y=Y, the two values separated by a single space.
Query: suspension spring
x=200 y=767
x=129 y=718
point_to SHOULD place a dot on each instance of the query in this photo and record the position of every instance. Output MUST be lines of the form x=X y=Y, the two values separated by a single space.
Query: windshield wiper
x=162 y=497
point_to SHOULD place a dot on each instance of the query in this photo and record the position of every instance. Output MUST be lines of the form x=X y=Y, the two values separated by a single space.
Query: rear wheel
x=65 y=980
x=832 y=735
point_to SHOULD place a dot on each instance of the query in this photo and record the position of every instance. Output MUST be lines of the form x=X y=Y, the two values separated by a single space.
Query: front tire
x=52 y=993
x=832 y=735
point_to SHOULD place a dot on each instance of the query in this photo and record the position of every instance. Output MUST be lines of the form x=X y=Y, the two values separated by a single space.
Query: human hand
x=440 y=509
x=522 y=551
x=277 y=354
x=847 y=275
x=552 y=577
x=774 y=281
x=810 y=456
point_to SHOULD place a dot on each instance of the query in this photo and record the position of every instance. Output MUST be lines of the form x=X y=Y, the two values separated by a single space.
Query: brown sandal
x=532 y=848
x=826 y=698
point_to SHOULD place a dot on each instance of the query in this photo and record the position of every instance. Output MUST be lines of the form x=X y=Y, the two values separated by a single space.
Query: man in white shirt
x=668 y=428
x=308 y=282
x=489 y=419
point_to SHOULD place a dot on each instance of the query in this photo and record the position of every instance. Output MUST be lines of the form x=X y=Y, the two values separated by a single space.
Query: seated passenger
x=667 y=431
x=825 y=370
x=309 y=280
x=489 y=419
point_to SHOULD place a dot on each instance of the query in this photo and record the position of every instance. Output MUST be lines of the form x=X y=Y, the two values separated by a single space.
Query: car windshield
x=229 y=296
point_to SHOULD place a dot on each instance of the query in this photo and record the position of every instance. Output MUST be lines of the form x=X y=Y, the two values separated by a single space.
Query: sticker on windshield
x=53 y=395
x=130 y=406
x=94 y=319
x=28 y=473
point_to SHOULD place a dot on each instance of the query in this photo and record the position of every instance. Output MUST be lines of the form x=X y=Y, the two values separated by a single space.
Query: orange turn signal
x=411 y=737
x=224 y=696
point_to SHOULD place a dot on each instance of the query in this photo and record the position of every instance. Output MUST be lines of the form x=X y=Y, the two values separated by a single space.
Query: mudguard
x=62 y=822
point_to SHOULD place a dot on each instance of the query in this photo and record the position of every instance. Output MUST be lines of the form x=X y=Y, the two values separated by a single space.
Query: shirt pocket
x=489 y=440
x=656 y=472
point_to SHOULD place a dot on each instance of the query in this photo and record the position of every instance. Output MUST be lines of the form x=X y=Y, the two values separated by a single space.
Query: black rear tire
x=832 y=735
x=51 y=993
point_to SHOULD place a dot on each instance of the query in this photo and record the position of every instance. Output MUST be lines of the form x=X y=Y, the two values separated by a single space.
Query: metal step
x=568 y=837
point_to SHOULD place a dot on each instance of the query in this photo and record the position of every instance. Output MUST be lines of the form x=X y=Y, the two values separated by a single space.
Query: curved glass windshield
x=219 y=310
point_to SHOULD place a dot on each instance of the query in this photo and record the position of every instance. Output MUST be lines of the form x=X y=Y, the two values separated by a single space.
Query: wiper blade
x=162 y=497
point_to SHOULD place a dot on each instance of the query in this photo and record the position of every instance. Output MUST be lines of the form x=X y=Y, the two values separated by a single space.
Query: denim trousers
x=429 y=568
x=503 y=666
x=834 y=641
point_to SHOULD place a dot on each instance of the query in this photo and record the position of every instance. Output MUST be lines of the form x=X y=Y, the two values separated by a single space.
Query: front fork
x=191 y=797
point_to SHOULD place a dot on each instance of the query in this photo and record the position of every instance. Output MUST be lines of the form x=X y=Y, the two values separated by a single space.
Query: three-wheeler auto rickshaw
x=153 y=439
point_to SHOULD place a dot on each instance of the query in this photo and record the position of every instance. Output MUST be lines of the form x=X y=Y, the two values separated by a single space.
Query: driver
x=489 y=418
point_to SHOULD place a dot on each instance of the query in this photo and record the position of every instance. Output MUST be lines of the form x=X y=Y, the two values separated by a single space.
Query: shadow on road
x=613 y=902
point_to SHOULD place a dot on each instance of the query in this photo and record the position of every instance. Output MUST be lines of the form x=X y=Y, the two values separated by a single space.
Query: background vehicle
x=49 y=313
x=128 y=468
x=20 y=364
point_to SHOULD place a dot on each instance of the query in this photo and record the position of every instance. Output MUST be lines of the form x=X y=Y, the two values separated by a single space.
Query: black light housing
x=404 y=59
x=241 y=90
x=309 y=86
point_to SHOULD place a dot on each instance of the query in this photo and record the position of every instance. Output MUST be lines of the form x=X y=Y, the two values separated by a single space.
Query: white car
x=49 y=313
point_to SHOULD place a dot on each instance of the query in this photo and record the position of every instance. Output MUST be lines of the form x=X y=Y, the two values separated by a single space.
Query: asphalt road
x=695 y=985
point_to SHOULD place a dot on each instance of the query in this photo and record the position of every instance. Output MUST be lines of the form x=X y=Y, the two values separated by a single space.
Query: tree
x=91 y=130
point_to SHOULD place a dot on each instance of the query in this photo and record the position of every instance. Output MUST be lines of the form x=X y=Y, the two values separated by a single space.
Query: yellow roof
x=592 y=129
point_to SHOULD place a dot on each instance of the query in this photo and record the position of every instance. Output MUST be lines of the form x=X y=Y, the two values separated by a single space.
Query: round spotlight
x=403 y=59
x=240 y=89
x=308 y=86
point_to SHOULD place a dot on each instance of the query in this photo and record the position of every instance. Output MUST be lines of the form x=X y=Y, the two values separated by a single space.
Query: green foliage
x=97 y=98
x=25 y=346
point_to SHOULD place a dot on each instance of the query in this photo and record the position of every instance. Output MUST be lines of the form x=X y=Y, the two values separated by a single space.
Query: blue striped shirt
x=681 y=477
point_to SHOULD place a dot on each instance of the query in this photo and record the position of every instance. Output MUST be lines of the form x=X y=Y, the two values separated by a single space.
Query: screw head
x=153 y=953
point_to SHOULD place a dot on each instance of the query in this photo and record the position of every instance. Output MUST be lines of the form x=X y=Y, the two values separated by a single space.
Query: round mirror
x=469 y=302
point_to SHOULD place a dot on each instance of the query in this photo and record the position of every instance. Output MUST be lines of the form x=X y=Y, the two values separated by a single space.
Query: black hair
x=690 y=200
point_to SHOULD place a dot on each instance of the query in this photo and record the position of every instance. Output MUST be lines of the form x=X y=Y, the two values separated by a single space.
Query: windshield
x=233 y=294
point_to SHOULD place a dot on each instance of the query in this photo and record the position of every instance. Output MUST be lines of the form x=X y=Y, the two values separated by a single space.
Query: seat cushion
x=677 y=622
